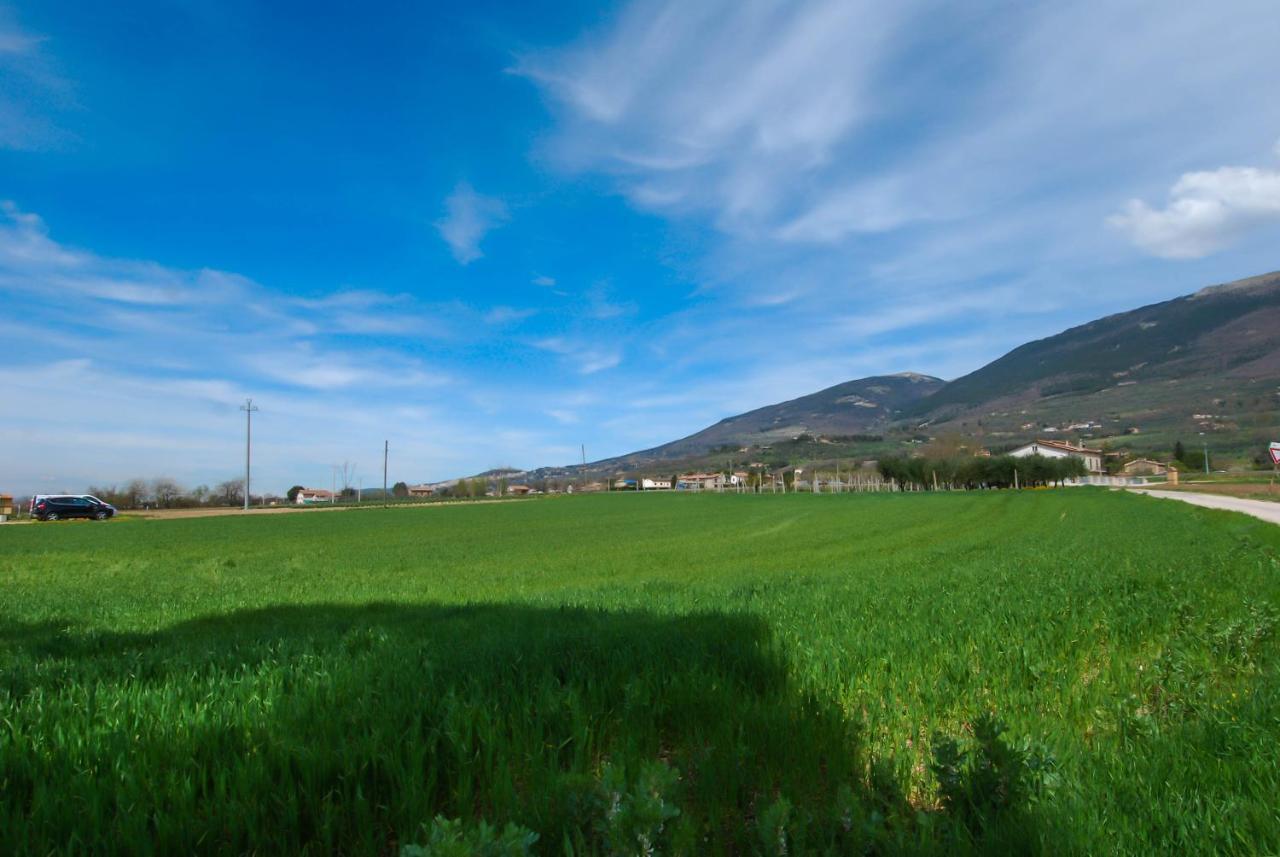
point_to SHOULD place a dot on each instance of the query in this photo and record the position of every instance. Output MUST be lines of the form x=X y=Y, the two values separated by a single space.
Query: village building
x=1145 y=467
x=1092 y=458
x=421 y=490
x=709 y=481
x=520 y=490
x=647 y=484
x=308 y=496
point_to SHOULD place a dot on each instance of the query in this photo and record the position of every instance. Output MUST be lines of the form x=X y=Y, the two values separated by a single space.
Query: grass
x=687 y=674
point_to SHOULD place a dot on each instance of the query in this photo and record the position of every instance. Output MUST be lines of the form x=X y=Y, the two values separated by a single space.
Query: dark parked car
x=52 y=507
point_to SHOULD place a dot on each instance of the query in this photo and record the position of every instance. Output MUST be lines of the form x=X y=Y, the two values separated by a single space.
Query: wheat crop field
x=1066 y=671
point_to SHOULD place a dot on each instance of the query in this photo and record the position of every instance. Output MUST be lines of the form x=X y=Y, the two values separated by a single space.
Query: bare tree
x=165 y=490
x=229 y=493
x=347 y=474
x=135 y=493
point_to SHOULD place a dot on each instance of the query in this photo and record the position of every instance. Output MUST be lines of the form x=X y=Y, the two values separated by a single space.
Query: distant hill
x=1206 y=364
x=862 y=407
x=1231 y=330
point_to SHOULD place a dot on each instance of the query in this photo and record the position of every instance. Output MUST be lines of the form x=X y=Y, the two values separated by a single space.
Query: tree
x=200 y=495
x=165 y=490
x=400 y=489
x=108 y=493
x=230 y=493
x=1179 y=452
x=347 y=475
x=135 y=493
x=293 y=492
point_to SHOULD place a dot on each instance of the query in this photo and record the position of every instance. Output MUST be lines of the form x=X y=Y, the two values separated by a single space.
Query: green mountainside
x=1230 y=330
x=1203 y=368
x=863 y=407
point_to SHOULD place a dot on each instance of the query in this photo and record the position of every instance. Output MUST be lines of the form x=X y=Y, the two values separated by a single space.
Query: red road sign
x=1275 y=454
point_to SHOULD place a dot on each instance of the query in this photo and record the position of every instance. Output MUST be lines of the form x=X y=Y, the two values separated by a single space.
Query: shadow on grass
x=342 y=729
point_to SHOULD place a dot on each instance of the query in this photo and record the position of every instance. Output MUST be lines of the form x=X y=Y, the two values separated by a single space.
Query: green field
x=688 y=674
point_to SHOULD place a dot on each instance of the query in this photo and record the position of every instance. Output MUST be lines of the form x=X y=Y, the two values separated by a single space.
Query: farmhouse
x=1145 y=467
x=519 y=490
x=709 y=481
x=700 y=482
x=1092 y=458
x=308 y=496
x=421 y=490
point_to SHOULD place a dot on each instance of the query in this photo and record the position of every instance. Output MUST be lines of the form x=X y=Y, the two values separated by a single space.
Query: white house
x=308 y=496
x=1092 y=458
x=655 y=484
x=709 y=481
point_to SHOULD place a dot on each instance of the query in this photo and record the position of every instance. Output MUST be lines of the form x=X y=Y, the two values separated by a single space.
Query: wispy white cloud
x=1206 y=212
x=501 y=315
x=543 y=280
x=587 y=358
x=469 y=217
x=601 y=306
x=33 y=94
x=718 y=106
x=562 y=416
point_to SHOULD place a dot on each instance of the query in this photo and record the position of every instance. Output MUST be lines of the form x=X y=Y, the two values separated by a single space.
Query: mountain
x=1224 y=331
x=1203 y=367
x=862 y=407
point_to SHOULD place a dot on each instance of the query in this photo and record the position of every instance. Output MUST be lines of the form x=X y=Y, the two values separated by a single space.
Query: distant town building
x=1145 y=467
x=1092 y=458
x=307 y=496
x=709 y=481
x=421 y=490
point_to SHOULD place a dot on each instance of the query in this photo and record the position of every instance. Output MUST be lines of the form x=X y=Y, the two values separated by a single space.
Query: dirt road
x=1263 y=509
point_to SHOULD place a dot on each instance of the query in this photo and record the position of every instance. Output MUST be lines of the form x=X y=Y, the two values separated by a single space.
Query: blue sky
x=490 y=234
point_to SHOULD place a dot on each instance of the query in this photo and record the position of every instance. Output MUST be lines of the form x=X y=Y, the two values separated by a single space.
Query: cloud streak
x=469 y=217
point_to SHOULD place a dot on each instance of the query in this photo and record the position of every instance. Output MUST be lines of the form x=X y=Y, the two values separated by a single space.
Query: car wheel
x=52 y=516
x=99 y=516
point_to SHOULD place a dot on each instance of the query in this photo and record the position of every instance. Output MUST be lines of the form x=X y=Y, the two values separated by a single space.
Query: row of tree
x=165 y=493
x=973 y=471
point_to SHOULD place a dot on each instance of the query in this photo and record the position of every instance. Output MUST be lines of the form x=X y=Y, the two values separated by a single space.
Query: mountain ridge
x=1206 y=362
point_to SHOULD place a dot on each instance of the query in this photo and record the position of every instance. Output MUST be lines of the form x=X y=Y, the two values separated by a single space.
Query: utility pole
x=1206 y=457
x=333 y=493
x=386 y=446
x=248 y=407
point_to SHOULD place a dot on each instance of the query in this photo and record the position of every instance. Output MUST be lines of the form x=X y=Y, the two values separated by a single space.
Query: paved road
x=1264 y=509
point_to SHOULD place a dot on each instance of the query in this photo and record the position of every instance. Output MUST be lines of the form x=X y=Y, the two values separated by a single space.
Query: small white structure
x=307 y=496
x=1092 y=458
x=647 y=484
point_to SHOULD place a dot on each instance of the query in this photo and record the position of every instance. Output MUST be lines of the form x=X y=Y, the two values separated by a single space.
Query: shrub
x=451 y=838
x=990 y=778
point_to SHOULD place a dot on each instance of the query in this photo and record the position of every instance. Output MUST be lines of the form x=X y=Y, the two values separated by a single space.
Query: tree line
x=165 y=493
x=973 y=471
